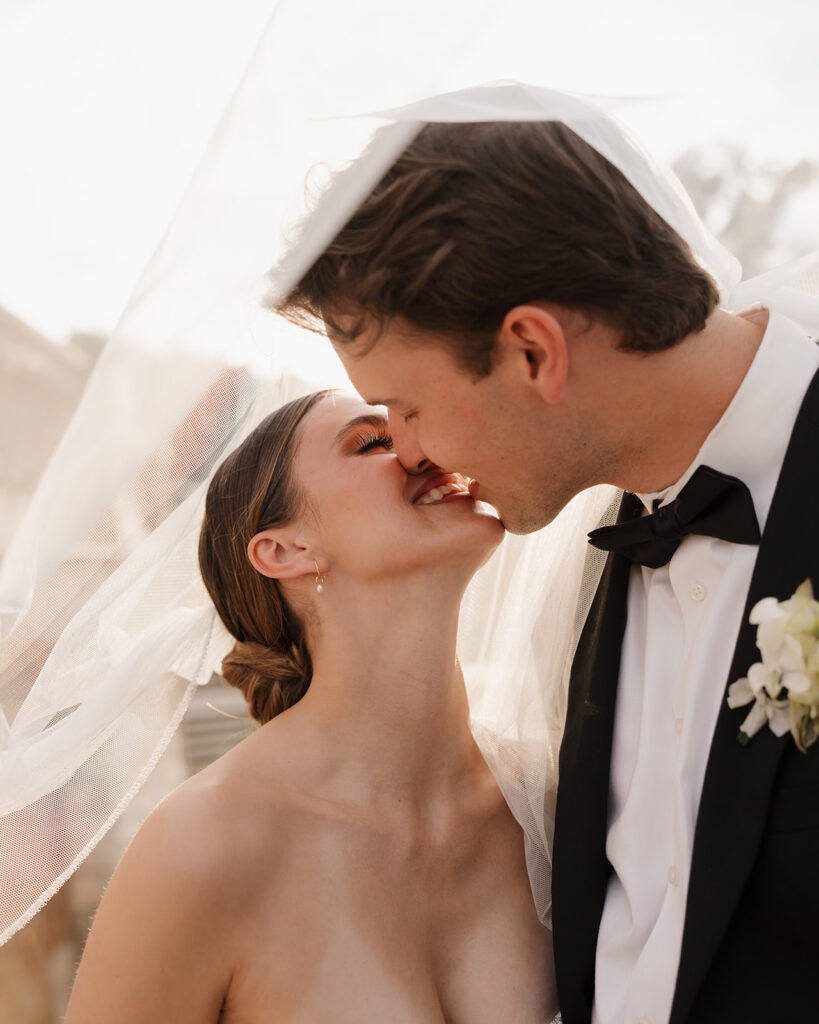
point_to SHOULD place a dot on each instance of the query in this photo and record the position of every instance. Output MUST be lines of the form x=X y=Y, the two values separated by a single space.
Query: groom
x=531 y=322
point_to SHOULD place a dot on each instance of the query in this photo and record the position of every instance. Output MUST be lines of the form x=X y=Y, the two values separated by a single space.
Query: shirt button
x=697 y=591
x=642 y=1020
x=678 y=724
x=674 y=875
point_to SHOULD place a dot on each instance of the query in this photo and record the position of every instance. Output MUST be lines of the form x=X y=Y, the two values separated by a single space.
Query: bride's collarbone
x=366 y=854
x=290 y=808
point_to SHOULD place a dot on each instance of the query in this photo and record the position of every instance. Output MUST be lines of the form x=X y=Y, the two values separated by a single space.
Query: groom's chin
x=524 y=521
x=521 y=529
x=514 y=520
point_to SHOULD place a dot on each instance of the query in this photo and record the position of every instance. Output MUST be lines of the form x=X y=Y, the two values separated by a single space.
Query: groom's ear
x=279 y=555
x=534 y=337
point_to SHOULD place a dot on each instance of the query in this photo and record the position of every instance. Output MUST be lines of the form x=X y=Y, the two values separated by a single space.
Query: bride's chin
x=465 y=548
x=489 y=515
x=483 y=534
x=489 y=512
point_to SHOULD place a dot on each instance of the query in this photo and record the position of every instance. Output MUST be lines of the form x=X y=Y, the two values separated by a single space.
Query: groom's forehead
x=357 y=334
x=393 y=367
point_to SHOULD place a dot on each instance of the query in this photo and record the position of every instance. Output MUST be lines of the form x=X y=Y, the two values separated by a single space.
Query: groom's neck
x=669 y=402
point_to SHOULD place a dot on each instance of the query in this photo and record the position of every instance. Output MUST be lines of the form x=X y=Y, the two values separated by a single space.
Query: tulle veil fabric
x=107 y=630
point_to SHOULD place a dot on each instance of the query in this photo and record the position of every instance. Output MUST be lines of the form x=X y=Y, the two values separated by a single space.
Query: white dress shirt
x=683 y=621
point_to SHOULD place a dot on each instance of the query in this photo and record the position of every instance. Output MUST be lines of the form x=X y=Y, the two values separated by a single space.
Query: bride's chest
x=429 y=940
x=351 y=979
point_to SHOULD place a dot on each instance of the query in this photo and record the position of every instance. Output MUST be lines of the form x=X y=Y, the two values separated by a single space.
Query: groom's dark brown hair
x=474 y=219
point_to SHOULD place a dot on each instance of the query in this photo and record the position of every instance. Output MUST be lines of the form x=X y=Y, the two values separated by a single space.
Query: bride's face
x=372 y=518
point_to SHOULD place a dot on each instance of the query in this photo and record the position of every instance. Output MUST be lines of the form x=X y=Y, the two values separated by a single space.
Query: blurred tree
x=765 y=214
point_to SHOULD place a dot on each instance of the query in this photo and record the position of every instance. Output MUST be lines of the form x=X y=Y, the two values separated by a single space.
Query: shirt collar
x=751 y=438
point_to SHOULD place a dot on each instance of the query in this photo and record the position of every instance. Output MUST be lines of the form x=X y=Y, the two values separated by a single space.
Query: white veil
x=107 y=628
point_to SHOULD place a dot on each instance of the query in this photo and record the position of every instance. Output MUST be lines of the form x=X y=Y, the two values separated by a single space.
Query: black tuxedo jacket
x=750 y=949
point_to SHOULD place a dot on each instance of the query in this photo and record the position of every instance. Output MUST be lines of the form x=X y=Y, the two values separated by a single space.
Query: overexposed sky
x=105 y=110
x=107 y=107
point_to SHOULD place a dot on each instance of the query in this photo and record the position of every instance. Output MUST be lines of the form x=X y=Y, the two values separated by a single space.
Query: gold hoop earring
x=319 y=578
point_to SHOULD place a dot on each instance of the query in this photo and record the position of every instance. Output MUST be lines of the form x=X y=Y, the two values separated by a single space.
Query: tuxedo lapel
x=739 y=779
x=580 y=869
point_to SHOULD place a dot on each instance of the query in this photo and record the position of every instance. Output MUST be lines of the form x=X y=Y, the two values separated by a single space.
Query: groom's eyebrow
x=369 y=419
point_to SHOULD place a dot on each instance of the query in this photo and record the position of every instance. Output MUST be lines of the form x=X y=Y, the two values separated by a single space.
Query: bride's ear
x=279 y=556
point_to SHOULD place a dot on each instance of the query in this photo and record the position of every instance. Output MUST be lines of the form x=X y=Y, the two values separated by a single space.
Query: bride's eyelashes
x=368 y=440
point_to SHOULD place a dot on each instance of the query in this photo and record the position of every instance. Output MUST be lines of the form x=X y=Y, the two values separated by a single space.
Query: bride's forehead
x=336 y=410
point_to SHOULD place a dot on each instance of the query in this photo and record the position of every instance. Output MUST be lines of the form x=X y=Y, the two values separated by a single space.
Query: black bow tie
x=711 y=505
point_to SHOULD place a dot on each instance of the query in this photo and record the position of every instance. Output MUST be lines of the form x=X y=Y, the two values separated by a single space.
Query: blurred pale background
x=105 y=111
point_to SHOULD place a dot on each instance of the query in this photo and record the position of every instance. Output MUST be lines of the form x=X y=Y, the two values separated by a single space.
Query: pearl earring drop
x=319 y=578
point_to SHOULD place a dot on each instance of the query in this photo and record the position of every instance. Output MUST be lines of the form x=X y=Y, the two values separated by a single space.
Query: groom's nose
x=406 y=447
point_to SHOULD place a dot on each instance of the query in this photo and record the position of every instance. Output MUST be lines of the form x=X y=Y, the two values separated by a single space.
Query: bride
x=353 y=859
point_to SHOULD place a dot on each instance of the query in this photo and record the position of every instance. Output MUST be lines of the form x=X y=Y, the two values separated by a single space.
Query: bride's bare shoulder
x=181 y=899
x=195 y=844
x=241 y=805
x=175 y=907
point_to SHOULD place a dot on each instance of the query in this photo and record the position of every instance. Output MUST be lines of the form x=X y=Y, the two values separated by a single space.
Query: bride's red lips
x=431 y=482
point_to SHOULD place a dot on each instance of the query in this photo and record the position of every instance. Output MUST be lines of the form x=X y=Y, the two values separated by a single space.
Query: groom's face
x=489 y=429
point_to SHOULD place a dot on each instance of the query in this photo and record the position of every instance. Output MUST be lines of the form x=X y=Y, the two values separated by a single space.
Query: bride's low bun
x=254 y=490
x=271 y=679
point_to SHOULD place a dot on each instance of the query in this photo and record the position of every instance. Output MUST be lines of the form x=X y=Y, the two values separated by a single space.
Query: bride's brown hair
x=253 y=490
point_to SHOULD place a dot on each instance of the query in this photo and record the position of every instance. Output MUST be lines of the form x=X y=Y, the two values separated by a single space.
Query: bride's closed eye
x=368 y=440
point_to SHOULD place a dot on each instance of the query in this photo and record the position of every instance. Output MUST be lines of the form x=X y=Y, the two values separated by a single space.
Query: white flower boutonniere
x=784 y=686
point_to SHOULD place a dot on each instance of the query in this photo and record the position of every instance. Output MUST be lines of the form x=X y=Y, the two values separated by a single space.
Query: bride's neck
x=387 y=693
